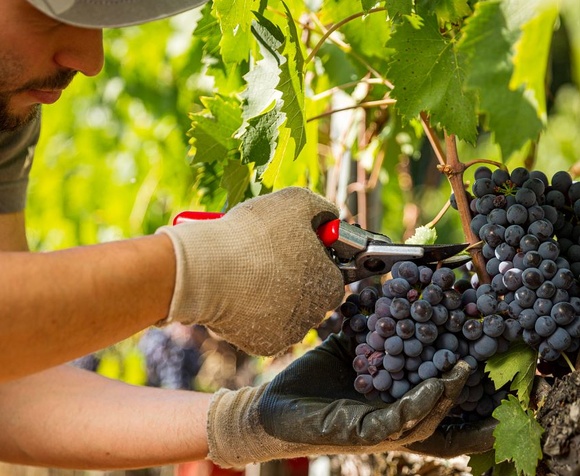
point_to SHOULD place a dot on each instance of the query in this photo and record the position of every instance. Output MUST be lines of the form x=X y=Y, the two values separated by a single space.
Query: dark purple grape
x=363 y=383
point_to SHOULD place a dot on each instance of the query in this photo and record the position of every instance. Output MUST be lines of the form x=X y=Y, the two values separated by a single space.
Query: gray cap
x=112 y=13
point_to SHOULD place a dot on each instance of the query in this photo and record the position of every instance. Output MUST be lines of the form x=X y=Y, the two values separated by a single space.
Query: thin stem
x=336 y=26
x=331 y=91
x=365 y=105
x=567 y=359
x=442 y=212
x=368 y=104
x=499 y=165
x=433 y=139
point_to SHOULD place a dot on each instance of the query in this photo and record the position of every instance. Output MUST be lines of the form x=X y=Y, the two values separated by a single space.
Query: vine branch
x=336 y=26
x=368 y=104
x=454 y=170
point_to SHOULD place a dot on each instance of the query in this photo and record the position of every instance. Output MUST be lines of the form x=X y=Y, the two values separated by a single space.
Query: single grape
x=385 y=326
x=393 y=345
x=421 y=310
x=493 y=325
x=360 y=364
x=382 y=380
x=560 y=340
x=400 y=388
x=444 y=359
x=472 y=329
x=409 y=271
x=363 y=383
x=426 y=332
x=545 y=326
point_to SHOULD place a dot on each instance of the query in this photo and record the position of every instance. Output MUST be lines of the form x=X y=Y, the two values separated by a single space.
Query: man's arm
x=71 y=418
x=60 y=305
x=12 y=232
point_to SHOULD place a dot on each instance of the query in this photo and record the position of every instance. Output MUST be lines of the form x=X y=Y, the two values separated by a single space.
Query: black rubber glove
x=312 y=408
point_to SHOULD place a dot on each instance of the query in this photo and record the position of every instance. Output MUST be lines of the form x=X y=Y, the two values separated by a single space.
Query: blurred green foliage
x=112 y=159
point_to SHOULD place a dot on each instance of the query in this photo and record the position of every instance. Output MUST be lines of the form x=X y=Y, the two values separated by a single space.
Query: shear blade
x=435 y=253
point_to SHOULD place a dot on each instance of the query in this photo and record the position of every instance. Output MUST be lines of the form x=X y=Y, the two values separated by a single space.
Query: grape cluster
x=169 y=363
x=519 y=217
x=420 y=322
x=417 y=326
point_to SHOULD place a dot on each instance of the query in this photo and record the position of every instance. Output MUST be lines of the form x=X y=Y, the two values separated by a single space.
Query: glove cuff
x=180 y=306
x=235 y=435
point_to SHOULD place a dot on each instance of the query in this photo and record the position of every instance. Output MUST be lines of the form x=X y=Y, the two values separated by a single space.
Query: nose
x=81 y=50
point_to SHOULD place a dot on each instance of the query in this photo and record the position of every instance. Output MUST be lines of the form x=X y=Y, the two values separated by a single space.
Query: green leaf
x=398 y=8
x=213 y=128
x=451 y=10
x=531 y=56
x=480 y=463
x=367 y=34
x=260 y=137
x=292 y=85
x=517 y=365
x=517 y=436
x=235 y=181
x=424 y=235
x=488 y=44
x=428 y=76
x=505 y=468
x=274 y=95
x=235 y=18
x=368 y=4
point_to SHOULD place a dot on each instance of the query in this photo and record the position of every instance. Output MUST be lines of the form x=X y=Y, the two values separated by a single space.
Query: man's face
x=39 y=57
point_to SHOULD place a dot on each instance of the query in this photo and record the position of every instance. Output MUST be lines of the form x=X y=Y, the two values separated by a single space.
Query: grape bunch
x=519 y=217
x=169 y=363
x=420 y=322
x=417 y=326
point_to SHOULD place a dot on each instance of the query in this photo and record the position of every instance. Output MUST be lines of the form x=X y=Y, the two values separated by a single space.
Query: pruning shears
x=360 y=253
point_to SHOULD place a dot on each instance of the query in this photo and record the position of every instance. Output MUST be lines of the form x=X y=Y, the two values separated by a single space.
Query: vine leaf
x=368 y=4
x=488 y=43
x=424 y=235
x=480 y=463
x=274 y=95
x=235 y=181
x=261 y=136
x=517 y=365
x=428 y=75
x=451 y=10
x=235 y=18
x=517 y=436
x=531 y=57
x=213 y=128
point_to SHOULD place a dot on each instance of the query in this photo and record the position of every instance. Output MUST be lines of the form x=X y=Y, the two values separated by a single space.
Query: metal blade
x=441 y=252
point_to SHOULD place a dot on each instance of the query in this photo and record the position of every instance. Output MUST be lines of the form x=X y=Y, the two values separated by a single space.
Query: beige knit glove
x=311 y=408
x=259 y=276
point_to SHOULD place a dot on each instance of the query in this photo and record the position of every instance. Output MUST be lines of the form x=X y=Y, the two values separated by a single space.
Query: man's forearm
x=60 y=305
x=70 y=418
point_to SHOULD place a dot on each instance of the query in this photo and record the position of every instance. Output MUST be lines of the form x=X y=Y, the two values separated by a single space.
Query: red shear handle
x=329 y=232
x=189 y=216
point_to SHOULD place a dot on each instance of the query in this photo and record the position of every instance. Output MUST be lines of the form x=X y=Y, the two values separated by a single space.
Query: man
x=61 y=305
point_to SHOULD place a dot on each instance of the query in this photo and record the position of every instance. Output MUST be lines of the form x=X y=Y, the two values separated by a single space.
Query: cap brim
x=112 y=13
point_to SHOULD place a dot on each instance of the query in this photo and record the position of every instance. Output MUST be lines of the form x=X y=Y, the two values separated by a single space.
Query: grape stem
x=453 y=168
x=499 y=165
x=567 y=359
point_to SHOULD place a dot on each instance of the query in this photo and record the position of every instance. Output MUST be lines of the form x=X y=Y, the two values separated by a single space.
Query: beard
x=9 y=120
